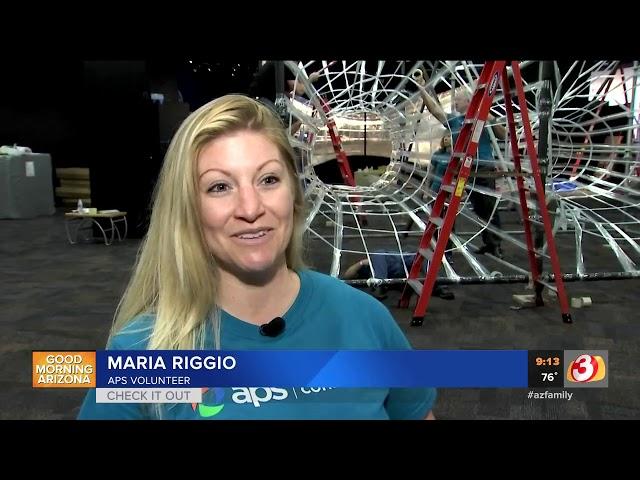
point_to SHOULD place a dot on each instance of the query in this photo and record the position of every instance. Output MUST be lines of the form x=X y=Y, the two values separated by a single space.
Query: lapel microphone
x=274 y=328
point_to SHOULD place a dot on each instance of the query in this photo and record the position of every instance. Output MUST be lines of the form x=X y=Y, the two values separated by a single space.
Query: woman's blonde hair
x=175 y=276
x=446 y=136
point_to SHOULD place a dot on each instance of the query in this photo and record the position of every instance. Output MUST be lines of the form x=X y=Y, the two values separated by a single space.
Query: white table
x=85 y=221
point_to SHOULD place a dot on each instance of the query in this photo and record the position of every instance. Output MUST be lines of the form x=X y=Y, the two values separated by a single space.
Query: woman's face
x=246 y=202
x=461 y=102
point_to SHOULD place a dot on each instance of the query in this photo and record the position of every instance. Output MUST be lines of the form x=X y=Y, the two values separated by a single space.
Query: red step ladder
x=341 y=156
x=455 y=178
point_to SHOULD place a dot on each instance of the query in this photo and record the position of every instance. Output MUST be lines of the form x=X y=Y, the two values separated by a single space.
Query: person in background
x=264 y=87
x=483 y=205
x=439 y=162
x=386 y=265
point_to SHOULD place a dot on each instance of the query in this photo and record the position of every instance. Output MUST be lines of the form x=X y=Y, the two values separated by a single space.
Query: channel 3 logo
x=586 y=369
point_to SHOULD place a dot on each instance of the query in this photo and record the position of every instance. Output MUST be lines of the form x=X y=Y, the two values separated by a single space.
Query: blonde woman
x=223 y=257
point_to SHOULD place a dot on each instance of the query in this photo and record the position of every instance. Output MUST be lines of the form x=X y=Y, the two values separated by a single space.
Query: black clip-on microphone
x=274 y=328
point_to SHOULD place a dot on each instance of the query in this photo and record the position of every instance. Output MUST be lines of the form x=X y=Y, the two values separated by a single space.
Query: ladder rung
x=499 y=174
x=469 y=121
x=458 y=155
x=438 y=221
x=426 y=253
x=481 y=86
x=448 y=188
x=415 y=285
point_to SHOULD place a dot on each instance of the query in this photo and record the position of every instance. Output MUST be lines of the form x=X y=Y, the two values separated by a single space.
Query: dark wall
x=95 y=114
x=39 y=105
x=98 y=114
x=120 y=137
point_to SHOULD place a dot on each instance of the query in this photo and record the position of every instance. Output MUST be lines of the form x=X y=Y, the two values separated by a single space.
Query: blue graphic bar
x=316 y=368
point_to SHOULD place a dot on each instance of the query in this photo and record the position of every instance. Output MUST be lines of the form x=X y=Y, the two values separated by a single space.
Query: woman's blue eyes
x=270 y=180
x=223 y=187
x=218 y=188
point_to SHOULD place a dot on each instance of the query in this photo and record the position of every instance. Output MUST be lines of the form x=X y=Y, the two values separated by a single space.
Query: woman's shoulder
x=333 y=290
x=135 y=335
x=455 y=120
x=440 y=153
x=366 y=321
x=324 y=281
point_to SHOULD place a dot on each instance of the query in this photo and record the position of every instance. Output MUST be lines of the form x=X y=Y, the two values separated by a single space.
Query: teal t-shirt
x=440 y=161
x=326 y=315
x=484 y=155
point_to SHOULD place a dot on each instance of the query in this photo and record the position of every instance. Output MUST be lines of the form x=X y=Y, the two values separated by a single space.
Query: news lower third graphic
x=148 y=395
x=586 y=369
x=568 y=368
x=64 y=369
x=199 y=378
